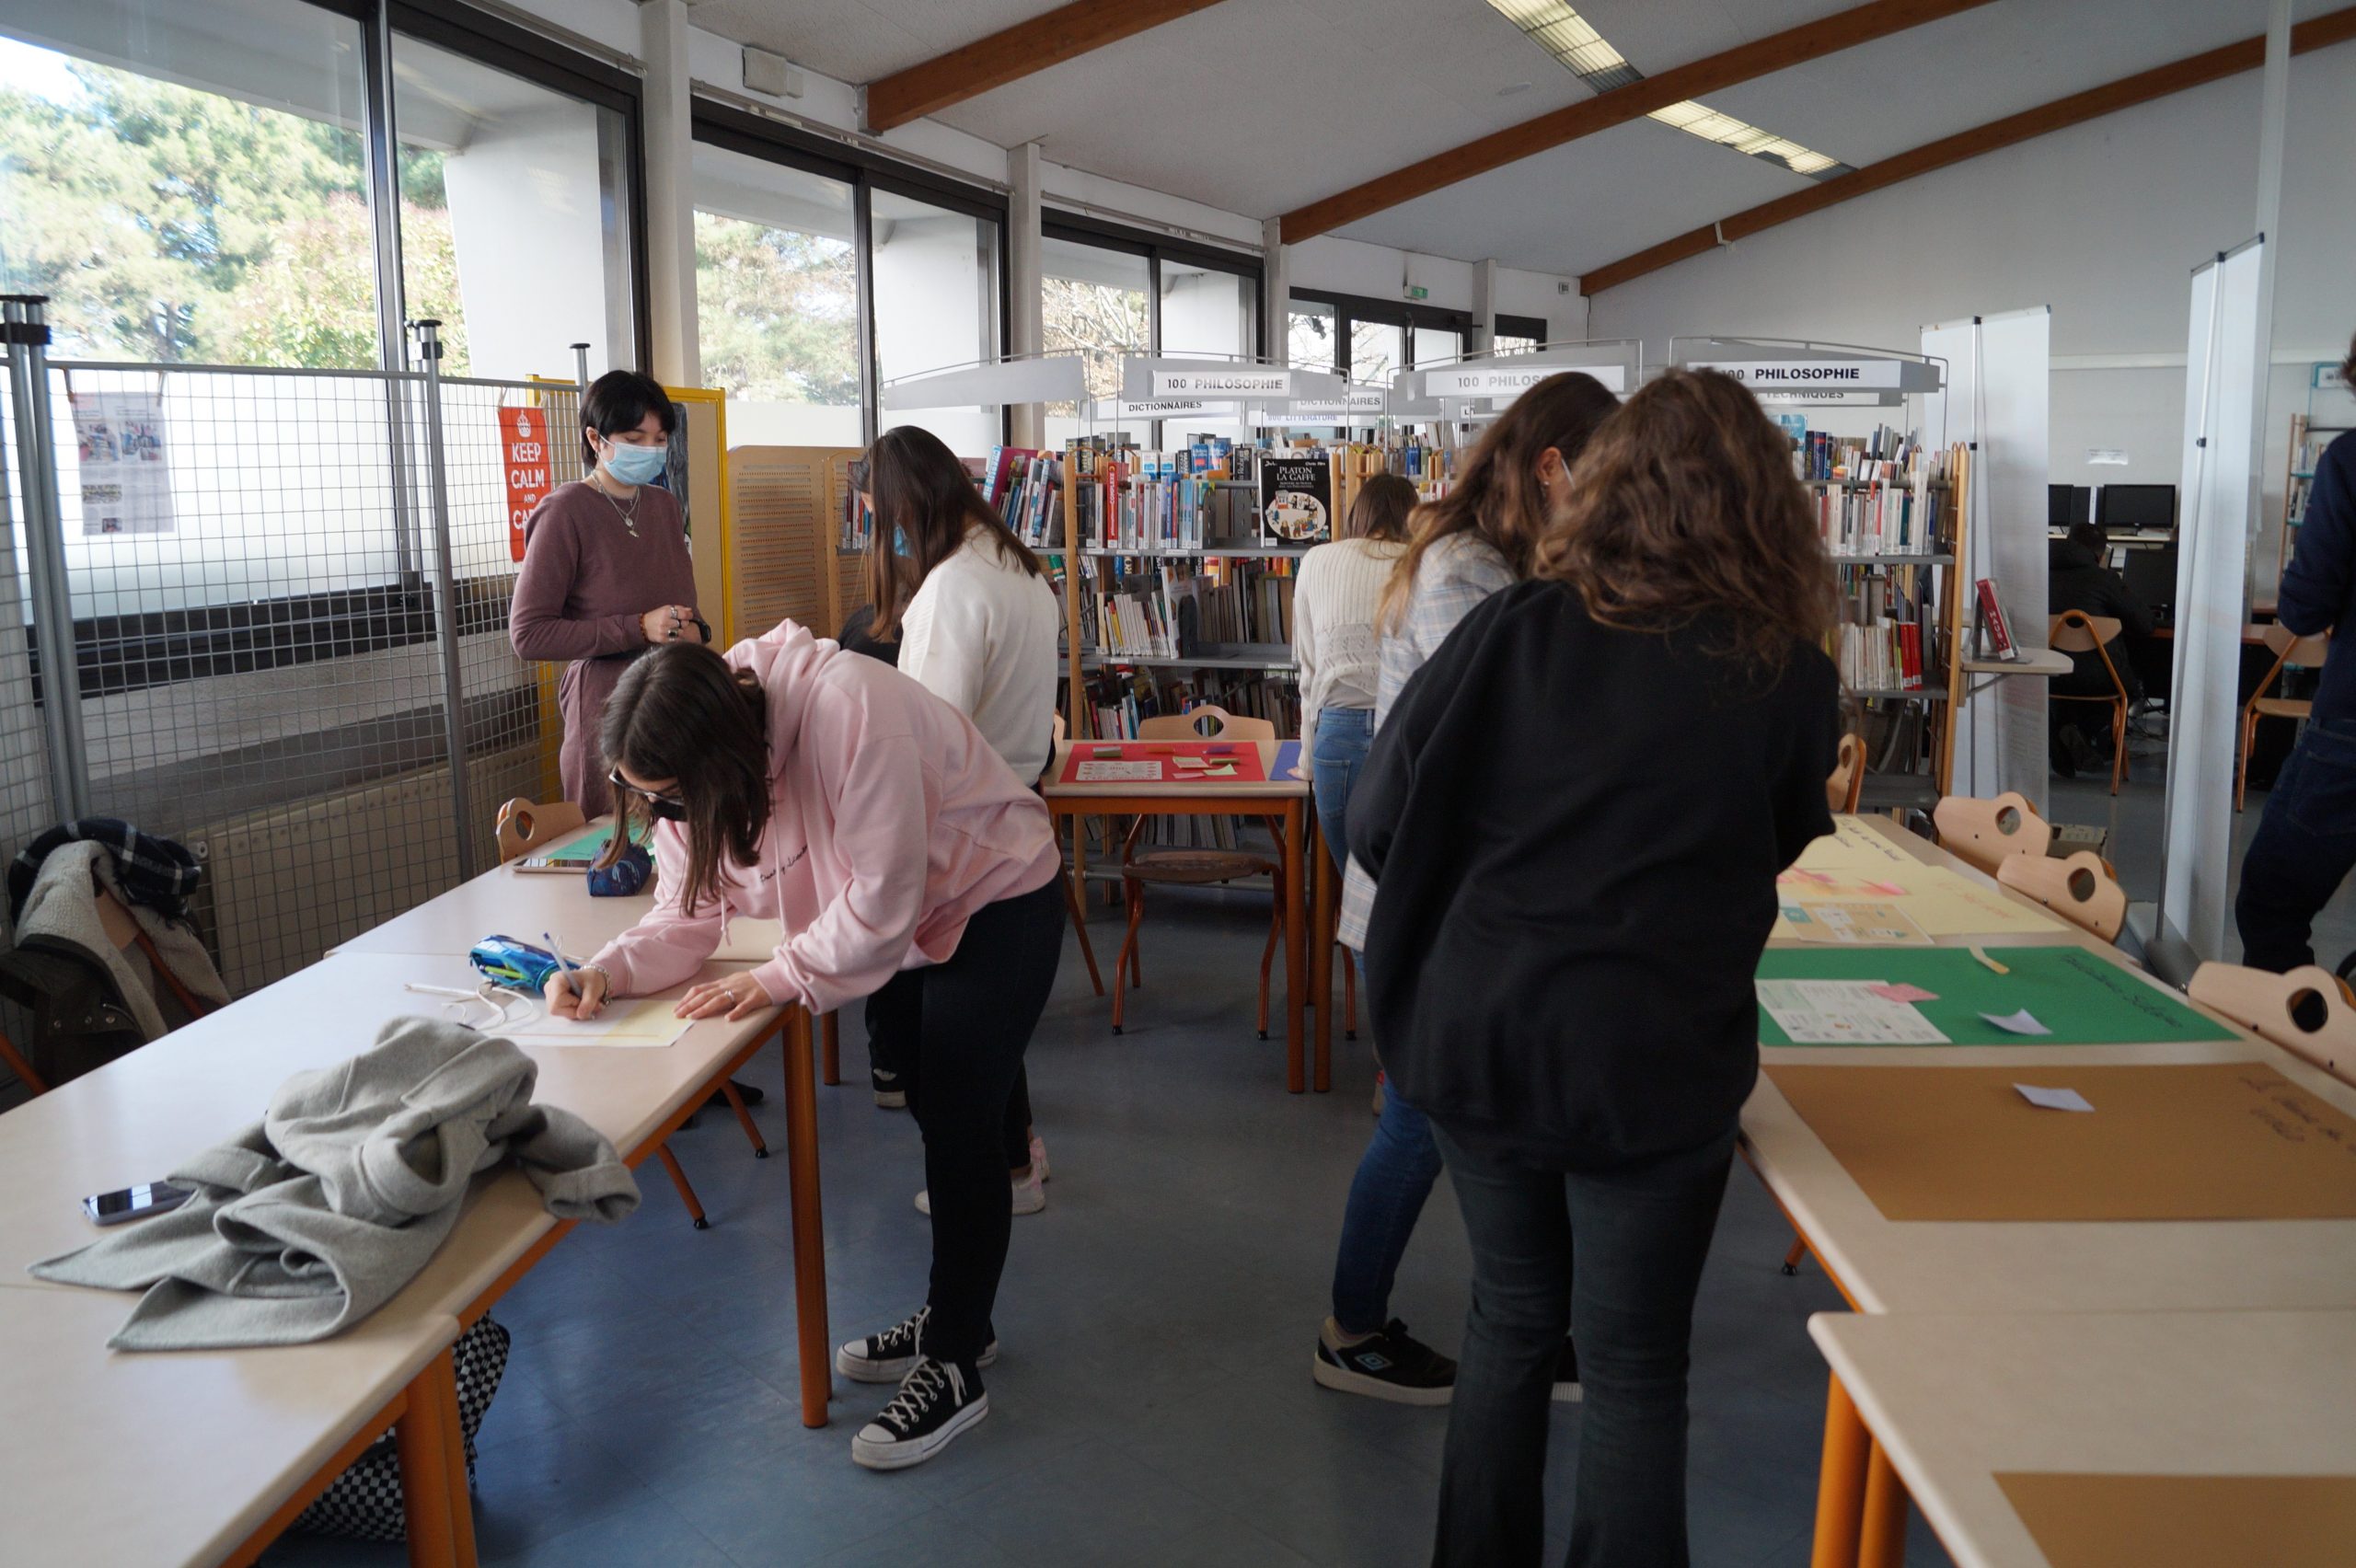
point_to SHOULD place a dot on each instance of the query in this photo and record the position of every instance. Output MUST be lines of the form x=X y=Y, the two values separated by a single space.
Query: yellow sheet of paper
x=644 y=1022
x=1854 y=847
x=1880 y=925
x=1936 y=899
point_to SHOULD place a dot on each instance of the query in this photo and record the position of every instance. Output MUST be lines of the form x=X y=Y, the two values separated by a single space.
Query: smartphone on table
x=134 y=1203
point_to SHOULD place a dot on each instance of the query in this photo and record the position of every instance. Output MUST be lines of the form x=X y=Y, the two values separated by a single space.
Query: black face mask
x=662 y=808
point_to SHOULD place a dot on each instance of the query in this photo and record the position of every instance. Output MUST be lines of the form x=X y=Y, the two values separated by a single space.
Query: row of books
x=1118 y=700
x=1169 y=609
x=1882 y=519
x=1887 y=656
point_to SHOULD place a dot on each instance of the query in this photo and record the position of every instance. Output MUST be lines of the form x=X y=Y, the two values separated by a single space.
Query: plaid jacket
x=1455 y=574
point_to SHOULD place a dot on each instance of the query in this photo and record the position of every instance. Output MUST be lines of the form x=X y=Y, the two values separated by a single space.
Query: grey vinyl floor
x=1152 y=1404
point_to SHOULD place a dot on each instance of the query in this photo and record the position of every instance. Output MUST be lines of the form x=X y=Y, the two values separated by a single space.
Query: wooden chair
x=1986 y=833
x=1194 y=868
x=2305 y=651
x=1842 y=790
x=1073 y=904
x=2270 y=1005
x=526 y=826
x=2074 y=631
x=2082 y=888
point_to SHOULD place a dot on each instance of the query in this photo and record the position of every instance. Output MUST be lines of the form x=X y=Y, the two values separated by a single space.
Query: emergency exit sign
x=1417 y=291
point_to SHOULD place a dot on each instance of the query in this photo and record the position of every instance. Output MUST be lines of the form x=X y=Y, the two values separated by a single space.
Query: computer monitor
x=2066 y=504
x=2151 y=577
x=2137 y=506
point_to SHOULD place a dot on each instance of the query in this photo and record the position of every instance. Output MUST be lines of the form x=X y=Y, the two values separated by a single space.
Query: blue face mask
x=635 y=464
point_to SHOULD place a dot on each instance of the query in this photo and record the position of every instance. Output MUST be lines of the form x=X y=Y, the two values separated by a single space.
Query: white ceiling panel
x=1654 y=35
x=1257 y=105
x=1866 y=103
x=1580 y=206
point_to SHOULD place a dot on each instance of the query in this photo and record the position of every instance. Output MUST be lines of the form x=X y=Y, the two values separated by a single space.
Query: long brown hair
x=925 y=505
x=1381 y=508
x=1496 y=494
x=1685 y=505
x=679 y=712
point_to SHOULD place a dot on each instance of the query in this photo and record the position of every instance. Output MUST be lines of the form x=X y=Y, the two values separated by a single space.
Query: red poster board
x=524 y=451
x=1131 y=756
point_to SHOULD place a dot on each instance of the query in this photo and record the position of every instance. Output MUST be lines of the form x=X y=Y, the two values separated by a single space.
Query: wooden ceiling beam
x=1761 y=57
x=1065 y=33
x=2336 y=26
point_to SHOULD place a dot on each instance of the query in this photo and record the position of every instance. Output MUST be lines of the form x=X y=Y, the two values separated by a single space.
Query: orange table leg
x=1320 y=935
x=1882 y=1540
x=809 y=1221
x=434 y=1505
x=1295 y=948
x=830 y=1048
x=1841 y=1484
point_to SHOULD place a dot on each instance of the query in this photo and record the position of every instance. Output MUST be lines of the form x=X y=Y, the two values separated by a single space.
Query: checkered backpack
x=366 y=1500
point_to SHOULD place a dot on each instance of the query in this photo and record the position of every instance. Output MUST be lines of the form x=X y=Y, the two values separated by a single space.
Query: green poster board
x=2082 y=998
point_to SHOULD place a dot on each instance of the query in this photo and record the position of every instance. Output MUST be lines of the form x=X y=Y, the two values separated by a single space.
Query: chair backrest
x=2268 y=1005
x=2290 y=648
x=2074 y=631
x=2081 y=889
x=1848 y=780
x=1984 y=833
x=1207 y=722
x=526 y=826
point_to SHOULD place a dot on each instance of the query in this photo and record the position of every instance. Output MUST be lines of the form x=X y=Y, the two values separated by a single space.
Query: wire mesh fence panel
x=25 y=805
x=255 y=644
x=504 y=443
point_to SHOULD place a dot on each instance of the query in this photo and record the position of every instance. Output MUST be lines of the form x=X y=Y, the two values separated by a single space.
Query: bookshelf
x=1890 y=507
x=2329 y=414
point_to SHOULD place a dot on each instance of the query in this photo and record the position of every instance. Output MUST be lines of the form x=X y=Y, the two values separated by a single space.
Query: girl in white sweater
x=1336 y=646
x=975 y=622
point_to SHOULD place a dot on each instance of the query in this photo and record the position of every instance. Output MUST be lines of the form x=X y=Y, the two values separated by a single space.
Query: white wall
x=527 y=213
x=2105 y=222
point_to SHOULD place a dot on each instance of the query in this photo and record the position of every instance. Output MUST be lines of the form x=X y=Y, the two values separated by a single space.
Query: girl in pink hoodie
x=794 y=781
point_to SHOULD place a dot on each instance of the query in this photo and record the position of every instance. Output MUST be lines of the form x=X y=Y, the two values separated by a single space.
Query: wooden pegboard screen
x=782 y=558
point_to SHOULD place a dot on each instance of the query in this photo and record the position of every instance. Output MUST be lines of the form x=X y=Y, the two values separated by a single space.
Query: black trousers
x=893 y=1016
x=961 y=1028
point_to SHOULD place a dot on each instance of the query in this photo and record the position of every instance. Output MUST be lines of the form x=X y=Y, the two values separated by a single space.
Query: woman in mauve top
x=606 y=574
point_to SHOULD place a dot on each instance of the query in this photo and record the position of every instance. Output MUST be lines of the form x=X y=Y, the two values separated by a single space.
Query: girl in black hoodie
x=1574 y=817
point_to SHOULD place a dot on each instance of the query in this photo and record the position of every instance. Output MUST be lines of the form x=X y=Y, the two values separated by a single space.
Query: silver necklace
x=629 y=517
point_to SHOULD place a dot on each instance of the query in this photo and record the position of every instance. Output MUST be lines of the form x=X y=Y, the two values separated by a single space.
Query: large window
x=1314 y=340
x=1095 y=302
x=514 y=216
x=202 y=196
x=1372 y=339
x=1107 y=291
x=936 y=306
x=777 y=299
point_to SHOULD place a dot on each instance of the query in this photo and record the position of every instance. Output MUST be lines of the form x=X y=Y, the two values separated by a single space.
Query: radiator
x=285 y=884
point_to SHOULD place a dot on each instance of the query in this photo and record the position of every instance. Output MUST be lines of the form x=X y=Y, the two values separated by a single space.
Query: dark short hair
x=2348 y=366
x=680 y=711
x=620 y=401
x=2090 y=536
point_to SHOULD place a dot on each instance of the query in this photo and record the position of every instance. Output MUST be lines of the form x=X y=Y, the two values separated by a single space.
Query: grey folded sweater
x=311 y=1220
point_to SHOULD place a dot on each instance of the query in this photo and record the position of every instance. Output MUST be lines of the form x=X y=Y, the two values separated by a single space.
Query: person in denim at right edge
x=1472 y=542
x=2305 y=843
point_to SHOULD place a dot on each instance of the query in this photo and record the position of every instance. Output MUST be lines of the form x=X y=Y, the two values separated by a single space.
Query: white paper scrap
x=2054 y=1099
x=1117 y=773
x=2019 y=1022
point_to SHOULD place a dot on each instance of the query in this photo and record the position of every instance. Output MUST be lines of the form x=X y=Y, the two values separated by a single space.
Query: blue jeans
x=1401 y=1162
x=1644 y=1232
x=2304 y=847
x=1343 y=737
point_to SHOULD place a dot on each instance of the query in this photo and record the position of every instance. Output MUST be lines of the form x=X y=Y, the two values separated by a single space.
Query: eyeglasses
x=664 y=808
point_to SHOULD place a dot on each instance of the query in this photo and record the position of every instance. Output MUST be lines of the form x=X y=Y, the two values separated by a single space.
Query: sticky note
x=1902 y=992
x=2054 y=1099
x=2016 y=1022
x=1886 y=890
x=1981 y=955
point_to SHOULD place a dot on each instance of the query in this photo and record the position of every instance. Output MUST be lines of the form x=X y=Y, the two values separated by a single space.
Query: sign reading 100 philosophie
x=1223 y=383
x=1812 y=375
x=1504 y=378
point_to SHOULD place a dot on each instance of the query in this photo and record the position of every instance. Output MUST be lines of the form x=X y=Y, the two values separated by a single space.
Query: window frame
x=1405 y=314
x=1531 y=326
x=1081 y=228
x=492 y=41
x=722 y=125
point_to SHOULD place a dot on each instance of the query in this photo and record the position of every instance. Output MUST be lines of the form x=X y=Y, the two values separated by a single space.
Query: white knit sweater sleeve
x=1304 y=655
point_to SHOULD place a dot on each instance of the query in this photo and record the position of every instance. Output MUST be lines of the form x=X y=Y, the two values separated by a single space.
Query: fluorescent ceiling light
x=1585 y=52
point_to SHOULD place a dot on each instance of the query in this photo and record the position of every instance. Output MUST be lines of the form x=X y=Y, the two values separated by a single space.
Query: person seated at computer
x=2080 y=578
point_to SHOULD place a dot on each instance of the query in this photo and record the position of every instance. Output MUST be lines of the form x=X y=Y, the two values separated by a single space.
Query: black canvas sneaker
x=937 y=1401
x=891 y=1356
x=1392 y=1366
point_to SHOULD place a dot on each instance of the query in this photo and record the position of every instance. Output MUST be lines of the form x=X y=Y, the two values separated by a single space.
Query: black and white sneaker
x=891 y=1356
x=1391 y=1365
x=1567 y=1376
x=889 y=1094
x=937 y=1401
